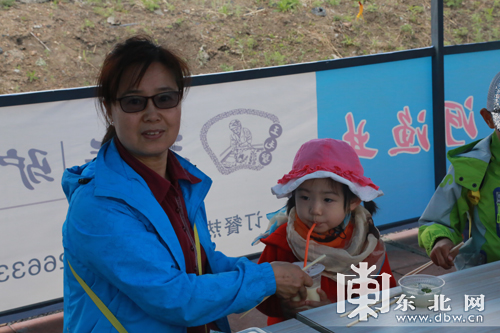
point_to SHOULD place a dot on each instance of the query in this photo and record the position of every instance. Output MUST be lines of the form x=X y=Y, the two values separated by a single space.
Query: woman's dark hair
x=370 y=206
x=136 y=53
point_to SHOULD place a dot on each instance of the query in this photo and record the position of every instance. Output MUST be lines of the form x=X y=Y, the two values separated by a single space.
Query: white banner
x=243 y=134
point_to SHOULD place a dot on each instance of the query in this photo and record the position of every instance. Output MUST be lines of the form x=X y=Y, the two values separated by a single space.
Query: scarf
x=338 y=241
x=363 y=244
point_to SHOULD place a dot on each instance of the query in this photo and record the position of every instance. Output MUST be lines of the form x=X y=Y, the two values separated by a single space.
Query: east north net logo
x=371 y=295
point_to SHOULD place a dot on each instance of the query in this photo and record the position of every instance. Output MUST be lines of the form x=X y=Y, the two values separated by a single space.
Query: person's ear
x=355 y=202
x=487 y=118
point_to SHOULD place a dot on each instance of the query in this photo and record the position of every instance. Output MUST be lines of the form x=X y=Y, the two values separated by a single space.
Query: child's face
x=321 y=201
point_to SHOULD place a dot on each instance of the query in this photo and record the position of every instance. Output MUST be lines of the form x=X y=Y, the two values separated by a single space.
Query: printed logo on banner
x=236 y=146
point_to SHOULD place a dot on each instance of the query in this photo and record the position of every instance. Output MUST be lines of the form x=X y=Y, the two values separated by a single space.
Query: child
x=466 y=205
x=326 y=186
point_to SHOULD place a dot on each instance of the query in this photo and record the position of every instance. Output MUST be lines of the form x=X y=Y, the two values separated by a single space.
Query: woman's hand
x=441 y=255
x=290 y=280
x=323 y=300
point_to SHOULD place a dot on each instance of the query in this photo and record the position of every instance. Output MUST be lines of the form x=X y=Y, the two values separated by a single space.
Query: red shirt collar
x=156 y=183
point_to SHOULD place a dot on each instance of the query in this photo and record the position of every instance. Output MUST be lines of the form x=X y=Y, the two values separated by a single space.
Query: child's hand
x=441 y=255
x=291 y=308
x=323 y=300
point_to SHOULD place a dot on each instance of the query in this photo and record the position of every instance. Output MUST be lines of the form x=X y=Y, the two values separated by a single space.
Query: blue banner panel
x=467 y=79
x=384 y=111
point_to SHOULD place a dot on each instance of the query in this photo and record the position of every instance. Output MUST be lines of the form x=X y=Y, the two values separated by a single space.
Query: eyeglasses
x=164 y=100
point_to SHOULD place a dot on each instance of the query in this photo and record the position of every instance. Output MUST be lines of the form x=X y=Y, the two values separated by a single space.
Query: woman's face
x=147 y=134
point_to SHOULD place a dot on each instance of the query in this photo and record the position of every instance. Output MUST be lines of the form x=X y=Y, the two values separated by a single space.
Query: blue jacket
x=120 y=242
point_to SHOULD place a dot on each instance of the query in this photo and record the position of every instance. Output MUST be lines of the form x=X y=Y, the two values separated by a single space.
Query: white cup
x=315 y=274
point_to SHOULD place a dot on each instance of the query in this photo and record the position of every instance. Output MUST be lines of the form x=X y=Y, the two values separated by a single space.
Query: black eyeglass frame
x=147 y=98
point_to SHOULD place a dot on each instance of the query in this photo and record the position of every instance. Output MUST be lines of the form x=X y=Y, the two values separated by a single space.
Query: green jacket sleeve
x=445 y=215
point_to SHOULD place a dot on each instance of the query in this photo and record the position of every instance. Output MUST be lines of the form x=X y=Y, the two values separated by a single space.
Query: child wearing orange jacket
x=325 y=188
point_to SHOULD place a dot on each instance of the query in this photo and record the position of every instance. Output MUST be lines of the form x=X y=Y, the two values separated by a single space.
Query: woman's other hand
x=290 y=308
x=440 y=254
x=290 y=280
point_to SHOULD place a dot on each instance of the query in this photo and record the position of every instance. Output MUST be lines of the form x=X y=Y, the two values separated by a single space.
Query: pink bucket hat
x=327 y=158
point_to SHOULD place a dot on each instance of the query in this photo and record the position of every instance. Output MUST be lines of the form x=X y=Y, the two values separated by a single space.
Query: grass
x=407 y=29
x=453 y=3
x=105 y=12
x=7 y=3
x=151 y=5
x=286 y=5
x=348 y=41
x=272 y=32
x=87 y=24
x=32 y=76
x=226 y=68
x=274 y=58
x=416 y=9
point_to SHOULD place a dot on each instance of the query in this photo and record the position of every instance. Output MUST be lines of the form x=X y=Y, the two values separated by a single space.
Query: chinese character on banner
x=357 y=138
x=455 y=117
x=474 y=301
x=249 y=217
x=439 y=305
x=404 y=134
x=214 y=228
x=364 y=287
x=13 y=159
x=404 y=303
x=233 y=225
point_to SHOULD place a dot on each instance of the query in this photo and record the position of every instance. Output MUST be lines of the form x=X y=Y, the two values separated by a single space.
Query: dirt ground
x=61 y=44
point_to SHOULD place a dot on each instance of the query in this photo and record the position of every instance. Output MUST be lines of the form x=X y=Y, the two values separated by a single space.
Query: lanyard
x=104 y=309
x=198 y=250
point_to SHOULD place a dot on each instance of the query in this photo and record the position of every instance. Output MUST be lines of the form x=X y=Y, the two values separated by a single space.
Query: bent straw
x=321 y=257
x=308 y=238
x=428 y=264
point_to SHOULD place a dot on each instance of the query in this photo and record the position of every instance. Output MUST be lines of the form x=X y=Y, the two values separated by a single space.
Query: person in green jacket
x=466 y=205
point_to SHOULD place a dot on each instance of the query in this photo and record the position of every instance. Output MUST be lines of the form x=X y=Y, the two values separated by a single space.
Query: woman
x=135 y=233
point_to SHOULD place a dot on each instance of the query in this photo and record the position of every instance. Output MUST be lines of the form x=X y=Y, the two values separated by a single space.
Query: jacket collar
x=116 y=179
x=470 y=162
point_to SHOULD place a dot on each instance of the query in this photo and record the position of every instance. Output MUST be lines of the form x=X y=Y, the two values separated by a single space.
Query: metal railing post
x=438 y=114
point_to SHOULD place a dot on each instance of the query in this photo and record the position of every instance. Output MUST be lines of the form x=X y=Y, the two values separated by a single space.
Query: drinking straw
x=308 y=238
x=321 y=257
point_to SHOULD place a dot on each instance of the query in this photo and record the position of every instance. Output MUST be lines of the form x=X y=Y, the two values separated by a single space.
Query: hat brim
x=365 y=193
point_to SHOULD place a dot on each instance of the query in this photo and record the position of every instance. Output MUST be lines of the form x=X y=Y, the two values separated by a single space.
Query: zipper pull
x=498 y=212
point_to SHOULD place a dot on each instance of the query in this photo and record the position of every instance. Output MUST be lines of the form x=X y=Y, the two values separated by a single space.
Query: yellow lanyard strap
x=198 y=255
x=104 y=309
x=198 y=250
